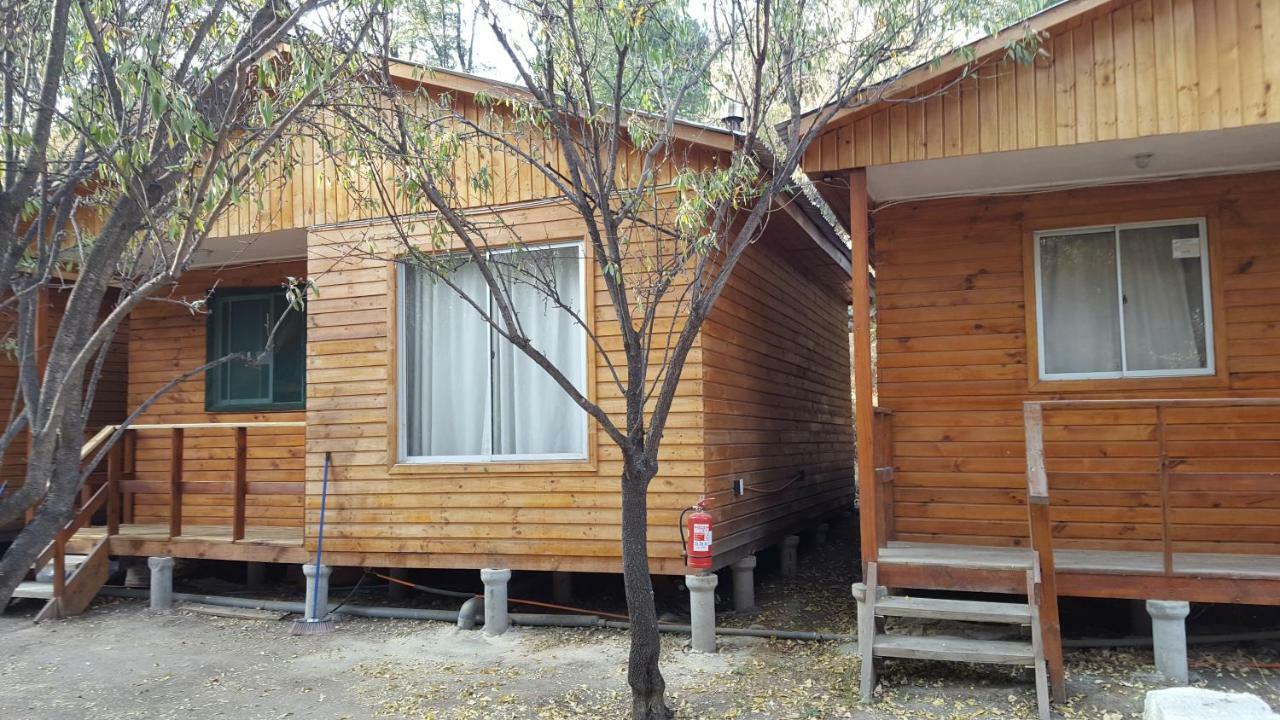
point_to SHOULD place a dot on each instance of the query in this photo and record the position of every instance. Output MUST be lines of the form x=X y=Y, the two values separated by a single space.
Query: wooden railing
x=1163 y=476
x=113 y=496
x=238 y=486
x=1160 y=478
x=882 y=450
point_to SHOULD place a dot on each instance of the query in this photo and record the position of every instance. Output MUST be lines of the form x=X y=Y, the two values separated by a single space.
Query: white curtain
x=534 y=414
x=1164 y=318
x=1081 y=322
x=445 y=368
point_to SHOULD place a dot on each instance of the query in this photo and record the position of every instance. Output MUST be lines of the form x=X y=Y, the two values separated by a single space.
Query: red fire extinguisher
x=698 y=537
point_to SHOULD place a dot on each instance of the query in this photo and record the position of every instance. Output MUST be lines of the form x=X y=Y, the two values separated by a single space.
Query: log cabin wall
x=167 y=339
x=778 y=402
x=955 y=314
x=561 y=515
x=1121 y=70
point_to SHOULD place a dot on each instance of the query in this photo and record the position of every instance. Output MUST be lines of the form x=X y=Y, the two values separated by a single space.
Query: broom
x=314 y=623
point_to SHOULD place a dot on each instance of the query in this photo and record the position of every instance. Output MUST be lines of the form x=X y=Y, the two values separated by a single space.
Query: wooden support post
x=175 y=484
x=130 y=440
x=863 y=391
x=1042 y=544
x=238 y=489
x=59 y=565
x=115 y=467
x=1166 y=538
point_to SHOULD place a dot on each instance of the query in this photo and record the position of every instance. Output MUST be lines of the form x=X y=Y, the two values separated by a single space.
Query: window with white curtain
x=1124 y=301
x=468 y=395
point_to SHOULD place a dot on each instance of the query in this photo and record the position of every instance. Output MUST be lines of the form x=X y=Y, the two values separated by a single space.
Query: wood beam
x=864 y=402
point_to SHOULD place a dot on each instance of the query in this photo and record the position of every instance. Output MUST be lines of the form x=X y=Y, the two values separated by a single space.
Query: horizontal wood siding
x=1143 y=68
x=955 y=365
x=109 y=397
x=778 y=402
x=166 y=339
x=529 y=516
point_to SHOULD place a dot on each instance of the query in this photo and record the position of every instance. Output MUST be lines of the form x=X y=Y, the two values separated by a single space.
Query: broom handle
x=324 y=497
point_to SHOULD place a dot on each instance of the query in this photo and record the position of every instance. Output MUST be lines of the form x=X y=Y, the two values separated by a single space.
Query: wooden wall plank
x=953 y=361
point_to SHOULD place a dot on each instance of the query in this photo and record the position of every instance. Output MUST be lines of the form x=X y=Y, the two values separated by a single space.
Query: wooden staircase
x=875 y=604
x=68 y=582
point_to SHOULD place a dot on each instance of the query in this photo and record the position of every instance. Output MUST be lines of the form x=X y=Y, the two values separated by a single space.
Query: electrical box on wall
x=739 y=487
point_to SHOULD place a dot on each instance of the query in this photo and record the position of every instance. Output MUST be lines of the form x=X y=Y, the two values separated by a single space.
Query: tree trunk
x=648 y=688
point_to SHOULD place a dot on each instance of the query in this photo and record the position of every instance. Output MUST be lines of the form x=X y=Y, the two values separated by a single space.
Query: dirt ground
x=120 y=661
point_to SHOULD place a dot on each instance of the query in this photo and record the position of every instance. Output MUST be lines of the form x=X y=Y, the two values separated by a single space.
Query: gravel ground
x=120 y=661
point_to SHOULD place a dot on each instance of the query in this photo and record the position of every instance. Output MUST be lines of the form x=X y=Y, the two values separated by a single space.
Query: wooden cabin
x=229 y=464
x=1075 y=273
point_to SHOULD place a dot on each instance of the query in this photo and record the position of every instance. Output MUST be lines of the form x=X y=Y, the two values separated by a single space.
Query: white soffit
x=246 y=249
x=1243 y=149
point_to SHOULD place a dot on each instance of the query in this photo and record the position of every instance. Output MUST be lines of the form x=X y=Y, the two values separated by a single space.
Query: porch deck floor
x=1083 y=561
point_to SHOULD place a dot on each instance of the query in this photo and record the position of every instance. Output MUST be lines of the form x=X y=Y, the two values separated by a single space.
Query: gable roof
x=1112 y=69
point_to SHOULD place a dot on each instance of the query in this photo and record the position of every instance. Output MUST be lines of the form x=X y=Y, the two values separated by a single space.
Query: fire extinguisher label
x=701 y=538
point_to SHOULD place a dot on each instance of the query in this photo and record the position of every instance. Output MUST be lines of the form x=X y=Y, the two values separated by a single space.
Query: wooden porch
x=104 y=523
x=1134 y=498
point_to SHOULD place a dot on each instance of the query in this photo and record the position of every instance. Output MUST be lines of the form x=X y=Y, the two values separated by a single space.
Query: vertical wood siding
x=165 y=340
x=954 y=366
x=1144 y=68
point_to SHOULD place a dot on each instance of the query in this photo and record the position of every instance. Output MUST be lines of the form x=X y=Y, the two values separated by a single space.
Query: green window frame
x=241 y=321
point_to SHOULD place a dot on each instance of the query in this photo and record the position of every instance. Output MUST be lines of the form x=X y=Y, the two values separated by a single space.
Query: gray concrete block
x=496 y=619
x=702 y=611
x=744 y=584
x=790 y=555
x=1169 y=637
x=161 y=583
x=1186 y=703
x=317 y=601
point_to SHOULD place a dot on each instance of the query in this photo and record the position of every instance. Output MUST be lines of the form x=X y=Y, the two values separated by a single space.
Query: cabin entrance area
x=1082 y=382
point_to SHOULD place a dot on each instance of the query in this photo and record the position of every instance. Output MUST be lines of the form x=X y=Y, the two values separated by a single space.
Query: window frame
x=215 y=378
x=1207 y=292
x=401 y=456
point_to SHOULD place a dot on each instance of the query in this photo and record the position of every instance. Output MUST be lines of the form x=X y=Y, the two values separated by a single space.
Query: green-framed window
x=242 y=321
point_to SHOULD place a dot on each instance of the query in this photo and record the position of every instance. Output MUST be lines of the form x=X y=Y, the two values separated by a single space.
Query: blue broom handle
x=324 y=497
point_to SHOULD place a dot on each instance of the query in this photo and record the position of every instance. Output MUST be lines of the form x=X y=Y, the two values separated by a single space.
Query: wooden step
x=955 y=649
x=945 y=609
x=31 y=589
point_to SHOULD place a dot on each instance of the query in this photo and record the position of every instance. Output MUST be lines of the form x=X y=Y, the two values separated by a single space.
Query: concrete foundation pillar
x=161 y=583
x=744 y=584
x=820 y=535
x=496 y=620
x=255 y=575
x=136 y=574
x=395 y=591
x=790 y=555
x=702 y=611
x=317 y=602
x=1169 y=636
x=562 y=587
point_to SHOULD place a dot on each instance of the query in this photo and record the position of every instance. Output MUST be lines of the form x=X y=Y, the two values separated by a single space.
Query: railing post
x=59 y=565
x=239 y=489
x=129 y=470
x=115 y=466
x=175 y=484
x=1166 y=542
x=1042 y=544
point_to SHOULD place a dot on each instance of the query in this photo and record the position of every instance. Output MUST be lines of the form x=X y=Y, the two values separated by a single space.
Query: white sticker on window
x=1186 y=248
